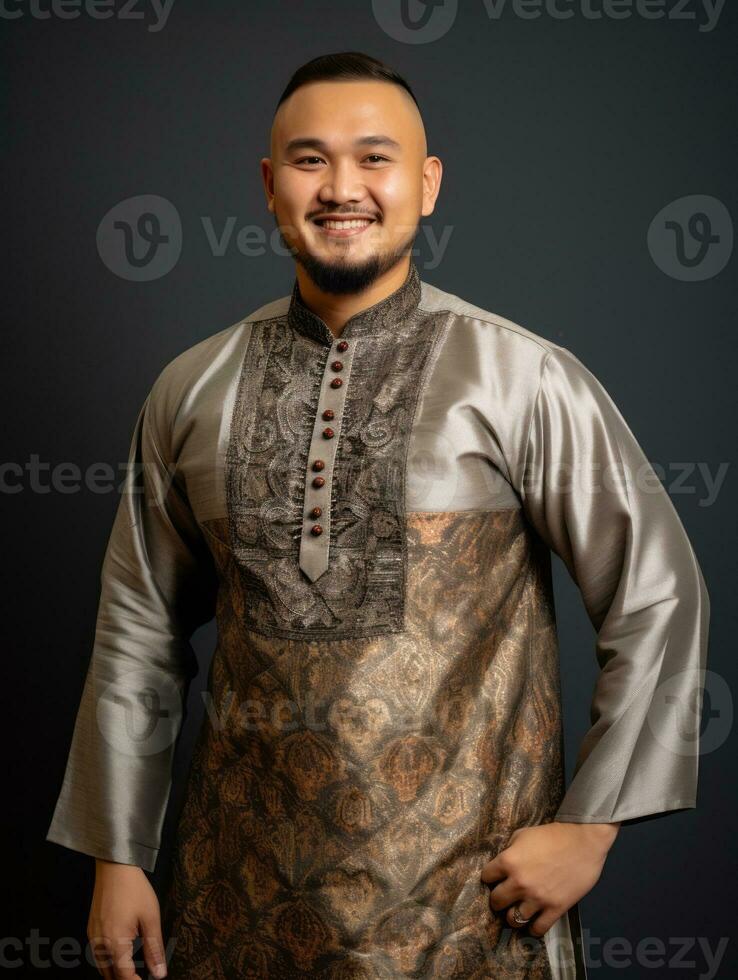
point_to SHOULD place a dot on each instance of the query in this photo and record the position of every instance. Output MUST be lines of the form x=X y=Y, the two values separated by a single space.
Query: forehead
x=338 y=113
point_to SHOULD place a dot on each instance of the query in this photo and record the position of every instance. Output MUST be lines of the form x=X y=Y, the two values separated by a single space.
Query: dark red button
x=336 y=383
x=328 y=414
x=316 y=529
x=342 y=345
x=328 y=433
x=316 y=511
x=318 y=464
x=318 y=481
x=337 y=365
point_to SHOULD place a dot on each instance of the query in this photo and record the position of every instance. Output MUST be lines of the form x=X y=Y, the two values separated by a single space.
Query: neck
x=337 y=310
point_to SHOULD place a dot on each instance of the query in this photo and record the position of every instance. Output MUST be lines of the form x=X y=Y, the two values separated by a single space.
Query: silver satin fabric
x=559 y=445
x=506 y=421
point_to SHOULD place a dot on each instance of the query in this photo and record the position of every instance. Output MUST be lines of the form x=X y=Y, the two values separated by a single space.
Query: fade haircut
x=347 y=66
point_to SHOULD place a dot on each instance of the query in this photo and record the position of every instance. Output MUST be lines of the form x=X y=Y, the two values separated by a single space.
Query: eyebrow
x=311 y=142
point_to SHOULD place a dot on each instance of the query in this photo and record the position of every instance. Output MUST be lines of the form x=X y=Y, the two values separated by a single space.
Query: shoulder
x=508 y=346
x=181 y=379
x=184 y=372
x=524 y=375
x=494 y=325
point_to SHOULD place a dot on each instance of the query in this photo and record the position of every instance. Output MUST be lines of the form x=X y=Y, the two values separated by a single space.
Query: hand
x=124 y=905
x=546 y=868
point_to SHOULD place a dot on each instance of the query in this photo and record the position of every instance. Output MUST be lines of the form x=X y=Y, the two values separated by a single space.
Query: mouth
x=347 y=227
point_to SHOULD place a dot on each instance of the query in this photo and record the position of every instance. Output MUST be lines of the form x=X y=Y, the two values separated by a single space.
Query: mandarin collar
x=373 y=321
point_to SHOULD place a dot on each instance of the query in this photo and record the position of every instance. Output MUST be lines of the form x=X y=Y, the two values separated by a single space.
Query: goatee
x=337 y=277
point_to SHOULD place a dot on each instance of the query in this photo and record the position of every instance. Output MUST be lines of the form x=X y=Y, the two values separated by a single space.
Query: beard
x=339 y=276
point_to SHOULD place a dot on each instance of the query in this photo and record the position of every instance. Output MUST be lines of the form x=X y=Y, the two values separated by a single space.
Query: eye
x=378 y=157
x=308 y=159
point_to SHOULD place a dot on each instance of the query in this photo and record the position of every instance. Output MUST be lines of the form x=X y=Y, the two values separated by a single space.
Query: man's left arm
x=590 y=492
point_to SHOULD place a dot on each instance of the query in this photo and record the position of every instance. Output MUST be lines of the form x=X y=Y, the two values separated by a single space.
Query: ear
x=267 y=176
x=432 y=174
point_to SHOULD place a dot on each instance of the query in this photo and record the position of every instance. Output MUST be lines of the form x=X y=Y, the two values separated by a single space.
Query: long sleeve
x=158 y=585
x=591 y=494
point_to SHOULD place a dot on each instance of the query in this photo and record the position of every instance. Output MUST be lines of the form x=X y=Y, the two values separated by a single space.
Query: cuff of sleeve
x=121 y=852
x=645 y=811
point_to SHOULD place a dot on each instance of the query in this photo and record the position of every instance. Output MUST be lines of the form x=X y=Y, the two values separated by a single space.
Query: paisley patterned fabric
x=350 y=846
x=362 y=593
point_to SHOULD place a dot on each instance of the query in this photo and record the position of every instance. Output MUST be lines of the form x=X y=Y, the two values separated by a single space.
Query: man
x=363 y=481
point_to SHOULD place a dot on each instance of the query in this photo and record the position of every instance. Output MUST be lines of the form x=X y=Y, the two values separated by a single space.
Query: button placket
x=316 y=519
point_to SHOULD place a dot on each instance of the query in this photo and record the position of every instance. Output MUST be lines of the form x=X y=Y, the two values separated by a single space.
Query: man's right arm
x=158 y=585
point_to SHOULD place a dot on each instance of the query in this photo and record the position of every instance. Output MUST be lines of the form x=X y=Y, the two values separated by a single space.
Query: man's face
x=355 y=151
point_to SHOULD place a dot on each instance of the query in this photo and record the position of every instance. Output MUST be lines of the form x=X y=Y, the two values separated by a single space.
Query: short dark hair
x=344 y=65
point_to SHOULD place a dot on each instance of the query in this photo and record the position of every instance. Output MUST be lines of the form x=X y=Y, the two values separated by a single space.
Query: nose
x=342 y=183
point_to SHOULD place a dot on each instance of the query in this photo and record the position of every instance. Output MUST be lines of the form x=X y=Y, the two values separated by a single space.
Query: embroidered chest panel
x=307 y=450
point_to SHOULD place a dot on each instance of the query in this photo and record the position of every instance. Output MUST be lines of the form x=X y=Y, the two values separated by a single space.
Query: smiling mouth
x=343 y=222
x=343 y=227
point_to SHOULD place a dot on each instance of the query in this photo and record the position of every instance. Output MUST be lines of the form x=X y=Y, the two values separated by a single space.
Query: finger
x=153 y=947
x=123 y=965
x=504 y=894
x=544 y=920
x=494 y=870
x=102 y=957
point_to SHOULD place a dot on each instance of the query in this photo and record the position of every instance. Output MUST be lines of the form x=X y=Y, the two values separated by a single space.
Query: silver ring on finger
x=518 y=918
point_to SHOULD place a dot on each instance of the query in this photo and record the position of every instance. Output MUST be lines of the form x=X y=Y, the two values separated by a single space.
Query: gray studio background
x=564 y=139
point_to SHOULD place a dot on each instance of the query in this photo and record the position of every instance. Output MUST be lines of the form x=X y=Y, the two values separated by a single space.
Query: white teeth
x=337 y=225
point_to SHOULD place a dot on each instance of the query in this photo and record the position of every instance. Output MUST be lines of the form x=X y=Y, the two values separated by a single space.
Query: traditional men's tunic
x=370 y=520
